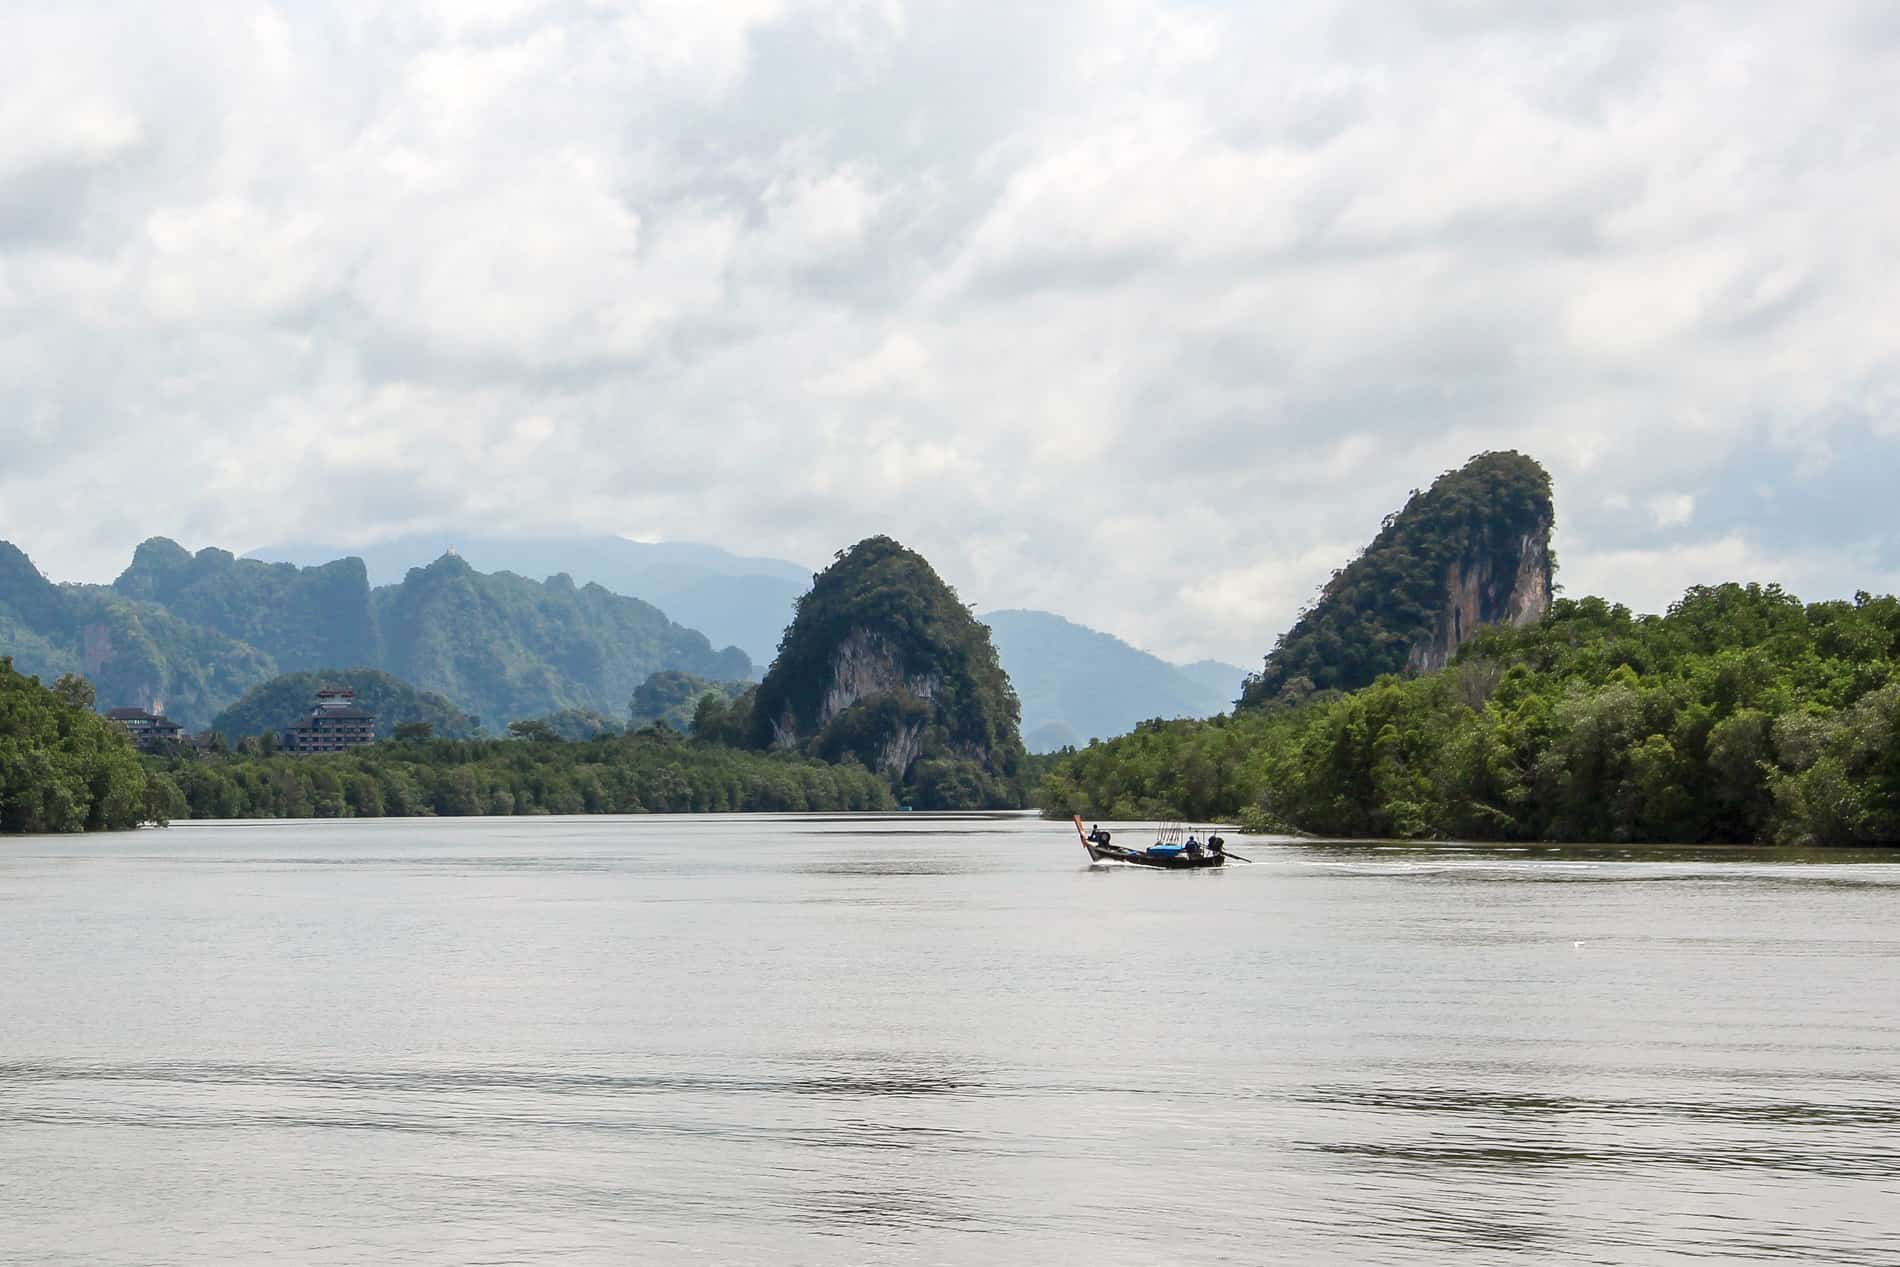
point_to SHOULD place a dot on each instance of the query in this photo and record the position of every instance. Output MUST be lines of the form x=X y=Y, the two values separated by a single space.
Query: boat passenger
x=1193 y=847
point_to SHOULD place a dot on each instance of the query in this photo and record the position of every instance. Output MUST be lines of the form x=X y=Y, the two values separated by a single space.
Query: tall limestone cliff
x=1472 y=550
x=882 y=664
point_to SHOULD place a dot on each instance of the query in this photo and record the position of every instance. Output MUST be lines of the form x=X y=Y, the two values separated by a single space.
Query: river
x=936 y=1039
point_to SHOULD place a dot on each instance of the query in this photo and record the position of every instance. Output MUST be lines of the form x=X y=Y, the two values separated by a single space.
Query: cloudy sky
x=1142 y=312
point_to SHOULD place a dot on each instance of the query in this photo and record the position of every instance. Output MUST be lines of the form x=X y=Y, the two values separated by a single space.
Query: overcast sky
x=1141 y=312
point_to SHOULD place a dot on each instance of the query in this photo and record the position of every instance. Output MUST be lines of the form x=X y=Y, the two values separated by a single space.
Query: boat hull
x=1141 y=858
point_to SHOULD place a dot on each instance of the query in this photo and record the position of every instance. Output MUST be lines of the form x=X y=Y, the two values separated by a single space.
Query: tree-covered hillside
x=733 y=599
x=62 y=766
x=302 y=618
x=1474 y=549
x=883 y=665
x=1741 y=715
x=193 y=633
x=283 y=701
x=503 y=647
x=136 y=654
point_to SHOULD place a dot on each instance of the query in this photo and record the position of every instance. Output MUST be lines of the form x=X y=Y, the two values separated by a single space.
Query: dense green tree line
x=1741 y=715
x=62 y=766
x=654 y=771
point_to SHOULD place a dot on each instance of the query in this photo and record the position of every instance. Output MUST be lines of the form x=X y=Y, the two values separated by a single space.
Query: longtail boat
x=1175 y=848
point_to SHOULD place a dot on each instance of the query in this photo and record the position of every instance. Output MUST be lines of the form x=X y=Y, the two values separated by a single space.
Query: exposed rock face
x=866 y=664
x=1477 y=593
x=884 y=666
x=1472 y=550
x=866 y=667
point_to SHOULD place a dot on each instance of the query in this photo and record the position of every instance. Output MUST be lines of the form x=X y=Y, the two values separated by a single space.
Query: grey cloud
x=1140 y=313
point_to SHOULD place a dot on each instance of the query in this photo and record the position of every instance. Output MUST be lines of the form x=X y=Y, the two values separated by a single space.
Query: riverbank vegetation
x=1740 y=715
x=655 y=770
x=62 y=766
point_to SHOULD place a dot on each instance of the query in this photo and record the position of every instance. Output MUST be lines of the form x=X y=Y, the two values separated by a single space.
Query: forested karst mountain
x=1472 y=550
x=1071 y=692
x=883 y=664
x=502 y=646
x=520 y=648
x=177 y=630
x=283 y=701
x=303 y=618
x=733 y=599
x=134 y=653
x=1077 y=684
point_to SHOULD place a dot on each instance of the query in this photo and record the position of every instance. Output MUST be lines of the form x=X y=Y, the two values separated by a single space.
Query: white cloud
x=1671 y=510
x=1144 y=312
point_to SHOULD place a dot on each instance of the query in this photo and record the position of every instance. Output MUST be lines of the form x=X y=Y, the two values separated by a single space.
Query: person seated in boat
x=1097 y=836
x=1193 y=847
x=1216 y=845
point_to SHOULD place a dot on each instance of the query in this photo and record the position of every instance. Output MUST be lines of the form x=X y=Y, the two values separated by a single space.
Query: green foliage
x=656 y=772
x=717 y=721
x=505 y=647
x=134 y=653
x=577 y=725
x=534 y=730
x=1378 y=608
x=303 y=618
x=883 y=666
x=63 y=767
x=195 y=632
x=674 y=698
x=283 y=701
x=1741 y=715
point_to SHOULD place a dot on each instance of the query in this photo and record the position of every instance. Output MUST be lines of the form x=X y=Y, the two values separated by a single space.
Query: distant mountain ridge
x=505 y=647
x=135 y=653
x=194 y=632
x=1077 y=683
x=542 y=646
x=733 y=599
x=302 y=617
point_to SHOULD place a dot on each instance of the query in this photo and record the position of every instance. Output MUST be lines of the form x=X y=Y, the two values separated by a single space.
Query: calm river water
x=922 y=1039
